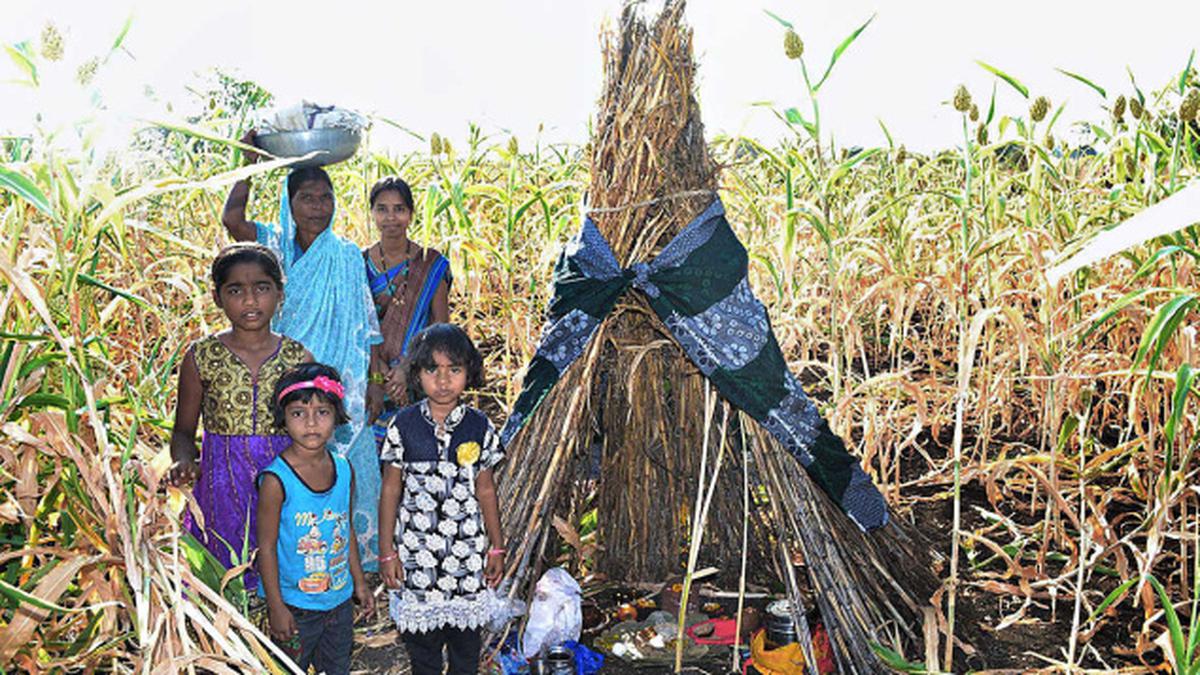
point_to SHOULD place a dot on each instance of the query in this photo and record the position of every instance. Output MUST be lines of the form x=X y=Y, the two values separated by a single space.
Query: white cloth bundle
x=307 y=115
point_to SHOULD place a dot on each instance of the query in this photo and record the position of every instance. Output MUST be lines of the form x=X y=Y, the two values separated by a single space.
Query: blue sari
x=327 y=307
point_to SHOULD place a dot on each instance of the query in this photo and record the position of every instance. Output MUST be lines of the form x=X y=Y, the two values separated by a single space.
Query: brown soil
x=1035 y=641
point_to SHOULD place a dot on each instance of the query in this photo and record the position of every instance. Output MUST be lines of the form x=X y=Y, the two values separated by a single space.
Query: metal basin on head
x=334 y=145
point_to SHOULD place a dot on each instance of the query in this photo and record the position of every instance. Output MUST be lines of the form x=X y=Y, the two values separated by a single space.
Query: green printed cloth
x=698 y=287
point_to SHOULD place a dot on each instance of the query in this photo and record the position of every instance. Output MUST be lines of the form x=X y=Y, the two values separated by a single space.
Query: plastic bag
x=555 y=615
x=503 y=608
x=587 y=661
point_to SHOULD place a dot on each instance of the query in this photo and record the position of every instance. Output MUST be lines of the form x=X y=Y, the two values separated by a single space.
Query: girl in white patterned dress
x=439 y=521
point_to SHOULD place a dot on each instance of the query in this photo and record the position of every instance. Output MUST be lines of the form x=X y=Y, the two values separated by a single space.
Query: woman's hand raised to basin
x=233 y=217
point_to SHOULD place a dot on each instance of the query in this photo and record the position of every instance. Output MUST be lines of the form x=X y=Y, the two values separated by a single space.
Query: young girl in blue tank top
x=308 y=559
x=439 y=518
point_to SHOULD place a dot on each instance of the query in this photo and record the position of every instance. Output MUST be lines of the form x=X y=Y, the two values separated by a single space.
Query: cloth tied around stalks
x=698 y=287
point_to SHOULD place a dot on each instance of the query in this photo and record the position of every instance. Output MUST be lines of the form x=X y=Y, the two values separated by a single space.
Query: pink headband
x=325 y=384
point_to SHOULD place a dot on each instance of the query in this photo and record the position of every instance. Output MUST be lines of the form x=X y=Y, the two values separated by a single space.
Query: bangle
x=376 y=378
x=495 y=551
x=389 y=557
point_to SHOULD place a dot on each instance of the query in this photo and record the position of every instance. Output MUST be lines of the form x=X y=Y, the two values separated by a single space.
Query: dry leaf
x=27 y=618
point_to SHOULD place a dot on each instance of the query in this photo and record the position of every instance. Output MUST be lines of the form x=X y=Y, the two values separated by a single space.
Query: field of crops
x=1044 y=434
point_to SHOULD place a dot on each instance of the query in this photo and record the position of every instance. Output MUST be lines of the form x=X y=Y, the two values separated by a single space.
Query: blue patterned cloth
x=697 y=285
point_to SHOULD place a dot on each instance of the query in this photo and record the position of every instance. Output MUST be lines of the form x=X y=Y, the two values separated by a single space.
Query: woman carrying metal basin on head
x=327 y=307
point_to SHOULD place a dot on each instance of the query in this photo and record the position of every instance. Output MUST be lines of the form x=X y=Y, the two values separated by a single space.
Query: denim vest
x=420 y=445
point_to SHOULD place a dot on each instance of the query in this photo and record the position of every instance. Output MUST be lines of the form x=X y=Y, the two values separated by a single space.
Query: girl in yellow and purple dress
x=227 y=378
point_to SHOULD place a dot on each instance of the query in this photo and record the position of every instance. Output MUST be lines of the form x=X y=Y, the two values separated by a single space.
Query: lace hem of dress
x=466 y=613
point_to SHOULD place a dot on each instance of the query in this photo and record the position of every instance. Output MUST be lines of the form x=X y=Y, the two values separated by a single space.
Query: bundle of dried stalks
x=112 y=589
x=636 y=400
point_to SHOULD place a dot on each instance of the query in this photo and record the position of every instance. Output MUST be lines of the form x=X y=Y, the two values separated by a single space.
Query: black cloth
x=461 y=648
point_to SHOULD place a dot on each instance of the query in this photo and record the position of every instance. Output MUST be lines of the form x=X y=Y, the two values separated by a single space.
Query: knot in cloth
x=639 y=277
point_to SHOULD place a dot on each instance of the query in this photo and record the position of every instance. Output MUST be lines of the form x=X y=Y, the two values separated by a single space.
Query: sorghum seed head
x=87 y=71
x=52 y=43
x=962 y=99
x=974 y=114
x=1049 y=142
x=435 y=144
x=514 y=148
x=1041 y=106
x=901 y=154
x=1189 y=106
x=1118 y=109
x=1135 y=107
x=981 y=134
x=1130 y=166
x=793 y=46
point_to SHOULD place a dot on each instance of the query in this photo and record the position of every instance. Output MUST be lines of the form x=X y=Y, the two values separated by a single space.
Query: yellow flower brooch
x=468 y=453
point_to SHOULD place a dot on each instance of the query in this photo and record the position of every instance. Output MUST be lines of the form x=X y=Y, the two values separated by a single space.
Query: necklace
x=396 y=293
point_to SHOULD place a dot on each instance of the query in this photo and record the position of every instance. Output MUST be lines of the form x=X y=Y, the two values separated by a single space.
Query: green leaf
x=24 y=188
x=897 y=662
x=1054 y=117
x=207 y=568
x=784 y=22
x=196 y=131
x=23 y=57
x=793 y=116
x=1080 y=78
x=1173 y=627
x=1183 y=74
x=92 y=281
x=1117 y=306
x=1183 y=385
x=1151 y=263
x=1100 y=132
x=845 y=167
x=21 y=597
x=1112 y=597
x=1070 y=424
x=1012 y=81
x=837 y=53
x=992 y=109
x=1136 y=88
x=888 y=134
x=120 y=39
x=1160 y=330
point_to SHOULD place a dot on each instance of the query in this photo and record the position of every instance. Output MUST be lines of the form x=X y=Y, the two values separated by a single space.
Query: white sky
x=513 y=65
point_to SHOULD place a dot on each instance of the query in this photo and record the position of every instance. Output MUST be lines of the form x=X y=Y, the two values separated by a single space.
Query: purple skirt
x=228 y=496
